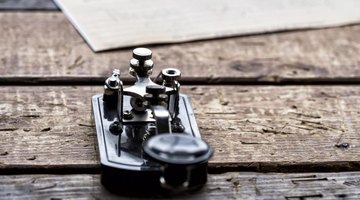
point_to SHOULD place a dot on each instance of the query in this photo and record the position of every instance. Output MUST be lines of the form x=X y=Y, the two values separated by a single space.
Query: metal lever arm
x=162 y=119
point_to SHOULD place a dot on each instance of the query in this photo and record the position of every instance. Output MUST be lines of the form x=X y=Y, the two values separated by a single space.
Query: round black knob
x=184 y=159
x=178 y=149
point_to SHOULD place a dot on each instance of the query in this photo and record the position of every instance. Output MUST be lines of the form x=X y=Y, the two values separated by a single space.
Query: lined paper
x=110 y=24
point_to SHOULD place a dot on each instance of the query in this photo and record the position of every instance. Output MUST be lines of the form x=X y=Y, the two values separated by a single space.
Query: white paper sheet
x=109 y=24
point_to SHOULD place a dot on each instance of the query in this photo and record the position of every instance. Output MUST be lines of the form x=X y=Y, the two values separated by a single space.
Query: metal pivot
x=156 y=101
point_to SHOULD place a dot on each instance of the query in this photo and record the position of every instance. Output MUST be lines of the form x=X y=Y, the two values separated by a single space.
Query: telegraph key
x=148 y=139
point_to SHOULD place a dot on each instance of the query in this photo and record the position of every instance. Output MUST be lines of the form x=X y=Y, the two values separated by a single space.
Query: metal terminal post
x=113 y=83
x=113 y=93
x=170 y=78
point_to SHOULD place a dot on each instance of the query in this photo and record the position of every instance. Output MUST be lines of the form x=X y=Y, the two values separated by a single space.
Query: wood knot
x=344 y=145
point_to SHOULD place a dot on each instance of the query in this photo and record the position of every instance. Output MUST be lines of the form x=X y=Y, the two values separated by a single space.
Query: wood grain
x=27 y=5
x=45 y=45
x=222 y=186
x=308 y=128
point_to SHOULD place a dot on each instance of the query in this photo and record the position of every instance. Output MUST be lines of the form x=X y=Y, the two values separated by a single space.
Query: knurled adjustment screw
x=142 y=54
x=141 y=64
x=155 y=90
x=155 y=94
x=170 y=74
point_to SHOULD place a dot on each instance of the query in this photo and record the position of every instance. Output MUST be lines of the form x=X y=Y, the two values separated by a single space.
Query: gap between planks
x=240 y=81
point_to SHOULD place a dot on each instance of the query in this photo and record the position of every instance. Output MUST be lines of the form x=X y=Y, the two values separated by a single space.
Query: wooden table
x=281 y=110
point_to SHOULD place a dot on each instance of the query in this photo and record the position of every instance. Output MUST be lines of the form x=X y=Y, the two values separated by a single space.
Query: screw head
x=142 y=54
x=115 y=128
x=127 y=115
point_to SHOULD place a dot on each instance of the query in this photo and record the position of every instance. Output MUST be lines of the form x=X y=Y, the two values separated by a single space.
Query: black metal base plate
x=121 y=155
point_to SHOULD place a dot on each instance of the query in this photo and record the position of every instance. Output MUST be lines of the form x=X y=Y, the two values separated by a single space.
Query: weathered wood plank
x=222 y=186
x=27 y=5
x=308 y=128
x=43 y=44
